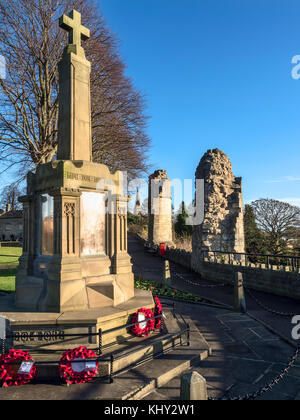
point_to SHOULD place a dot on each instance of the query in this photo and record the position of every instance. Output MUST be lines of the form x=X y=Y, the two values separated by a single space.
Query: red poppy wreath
x=145 y=324
x=158 y=311
x=75 y=366
x=16 y=368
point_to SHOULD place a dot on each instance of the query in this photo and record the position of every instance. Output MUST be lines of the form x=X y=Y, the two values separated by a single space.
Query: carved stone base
x=50 y=328
x=75 y=240
x=74 y=284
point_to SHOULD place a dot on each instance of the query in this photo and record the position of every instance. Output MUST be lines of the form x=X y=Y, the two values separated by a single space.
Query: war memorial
x=75 y=274
x=120 y=317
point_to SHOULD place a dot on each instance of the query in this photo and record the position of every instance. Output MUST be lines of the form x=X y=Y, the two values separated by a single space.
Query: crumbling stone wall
x=160 y=208
x=223 y=225
x=280 y=281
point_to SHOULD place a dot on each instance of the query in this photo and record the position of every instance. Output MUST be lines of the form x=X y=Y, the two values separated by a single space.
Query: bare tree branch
x=32 y=44
x=278 y=220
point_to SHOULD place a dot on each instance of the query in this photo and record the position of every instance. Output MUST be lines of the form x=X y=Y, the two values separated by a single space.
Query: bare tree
x=9 y=196
x=32 y=44
x=278 y=220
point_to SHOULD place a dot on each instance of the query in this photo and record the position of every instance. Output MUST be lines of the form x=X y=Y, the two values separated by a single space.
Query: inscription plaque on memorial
x=46 y=336
x=47 y=213
x=92 y=236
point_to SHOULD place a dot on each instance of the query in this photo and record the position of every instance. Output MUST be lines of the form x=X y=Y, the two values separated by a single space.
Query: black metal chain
x=266 y=308
x=181 y=276
x=259 y=302
x=284 y=372
x=149 y=270
x=192 y=283
x=266 y=388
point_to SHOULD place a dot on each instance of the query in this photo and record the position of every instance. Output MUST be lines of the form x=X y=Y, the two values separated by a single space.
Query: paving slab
x=251 y=359
x=150 y=267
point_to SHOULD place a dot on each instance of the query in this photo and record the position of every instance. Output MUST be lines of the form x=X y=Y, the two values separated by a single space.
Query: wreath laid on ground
x=75 y=367
x=158 y=311
x=145 y=324
x=16 y=368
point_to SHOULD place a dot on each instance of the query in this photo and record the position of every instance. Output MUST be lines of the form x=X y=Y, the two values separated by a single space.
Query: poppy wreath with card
x=144 y=324
x=75 y=367
x=158 y=311
x=16 y=368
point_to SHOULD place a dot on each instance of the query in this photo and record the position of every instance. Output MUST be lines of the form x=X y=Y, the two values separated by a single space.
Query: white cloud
x=284 y=179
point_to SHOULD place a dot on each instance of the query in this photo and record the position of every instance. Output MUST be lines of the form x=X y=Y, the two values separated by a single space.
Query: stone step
x=53 y=328
x=101 y=280
x=134 y=384
x=161 y=370
x=133 y=353
x=134 y=349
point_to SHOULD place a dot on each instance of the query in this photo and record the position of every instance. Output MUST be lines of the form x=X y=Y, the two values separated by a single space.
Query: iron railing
x=112 y=358
x=268 y=259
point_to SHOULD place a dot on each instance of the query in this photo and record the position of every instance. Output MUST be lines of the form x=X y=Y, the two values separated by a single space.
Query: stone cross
x=72 y=24
x=74 y=121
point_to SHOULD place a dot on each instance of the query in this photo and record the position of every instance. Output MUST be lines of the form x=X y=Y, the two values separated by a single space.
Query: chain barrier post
x=193 y=387
x=167 y=274
x=239 y=294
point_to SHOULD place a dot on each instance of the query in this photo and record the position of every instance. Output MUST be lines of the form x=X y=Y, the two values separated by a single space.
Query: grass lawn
x=10 y=256
x=7 y=280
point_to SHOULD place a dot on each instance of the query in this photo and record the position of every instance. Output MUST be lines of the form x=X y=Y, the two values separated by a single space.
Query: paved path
x=150 y=267
x=246 y=355
x=245 y=358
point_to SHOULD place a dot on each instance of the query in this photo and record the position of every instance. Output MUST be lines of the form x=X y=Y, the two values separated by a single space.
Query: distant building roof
x=13 y=214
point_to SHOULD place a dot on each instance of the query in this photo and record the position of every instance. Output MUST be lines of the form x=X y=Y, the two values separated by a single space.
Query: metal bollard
x=239 y=294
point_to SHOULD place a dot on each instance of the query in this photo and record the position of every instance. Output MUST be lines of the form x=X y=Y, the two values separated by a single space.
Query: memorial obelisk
x=75 y=240
x=75 y=273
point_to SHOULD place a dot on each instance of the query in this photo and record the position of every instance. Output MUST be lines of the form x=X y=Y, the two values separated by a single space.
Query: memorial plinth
x=75 y=242
x=75 y=257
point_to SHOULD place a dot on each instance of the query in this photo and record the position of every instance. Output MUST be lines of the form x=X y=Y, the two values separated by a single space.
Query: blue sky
x=217 y=73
